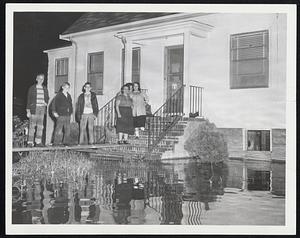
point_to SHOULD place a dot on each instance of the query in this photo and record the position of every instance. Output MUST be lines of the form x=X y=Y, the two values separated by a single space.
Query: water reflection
x=122 y=192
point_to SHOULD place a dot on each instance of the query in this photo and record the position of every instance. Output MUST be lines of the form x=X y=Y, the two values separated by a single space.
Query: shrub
x=19 y=132
x=206 y=144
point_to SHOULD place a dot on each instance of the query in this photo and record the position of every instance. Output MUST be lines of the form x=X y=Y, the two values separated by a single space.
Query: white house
x=233 y=66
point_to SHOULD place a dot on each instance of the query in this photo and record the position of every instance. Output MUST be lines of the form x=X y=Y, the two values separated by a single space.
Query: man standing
x=86 y=112
x=37 y=100
x=62 y=109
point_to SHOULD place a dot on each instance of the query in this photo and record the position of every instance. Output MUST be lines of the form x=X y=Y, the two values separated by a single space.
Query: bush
x=206 y=144
x=19 y=132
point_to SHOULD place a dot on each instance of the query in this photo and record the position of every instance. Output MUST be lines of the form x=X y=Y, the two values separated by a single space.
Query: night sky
x=35 y=32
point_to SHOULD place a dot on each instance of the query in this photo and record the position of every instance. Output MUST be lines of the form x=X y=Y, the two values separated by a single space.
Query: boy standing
x=37 y=100
x=62 y=109
x=86 y=112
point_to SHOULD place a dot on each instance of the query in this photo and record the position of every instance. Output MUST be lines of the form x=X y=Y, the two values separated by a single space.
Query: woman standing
x=139 y=100
x=124 y=124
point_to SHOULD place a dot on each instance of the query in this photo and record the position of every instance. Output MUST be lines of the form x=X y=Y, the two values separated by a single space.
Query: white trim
x=58 y=49
x=173 y=28
x=156 y=20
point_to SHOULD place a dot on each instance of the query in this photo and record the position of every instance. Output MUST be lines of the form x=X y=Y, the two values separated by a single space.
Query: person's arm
x=71 y=104
x=117 y=108
x=28 y=102
x=46 y=96
x=96 y=105
x=54 y=107
x=146 y=98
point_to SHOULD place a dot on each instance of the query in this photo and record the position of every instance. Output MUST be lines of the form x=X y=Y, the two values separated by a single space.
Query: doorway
x=174 y=77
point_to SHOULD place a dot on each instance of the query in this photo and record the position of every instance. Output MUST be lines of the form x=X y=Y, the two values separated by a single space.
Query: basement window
x=258 y=140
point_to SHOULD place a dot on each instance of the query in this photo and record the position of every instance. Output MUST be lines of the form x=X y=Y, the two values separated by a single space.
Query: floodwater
x=171 y=192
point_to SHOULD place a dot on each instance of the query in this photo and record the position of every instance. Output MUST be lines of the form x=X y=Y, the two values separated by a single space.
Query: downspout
x=74 y=44
x=123 y=40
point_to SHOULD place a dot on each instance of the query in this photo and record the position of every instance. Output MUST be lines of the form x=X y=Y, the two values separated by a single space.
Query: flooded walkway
x=70 y=188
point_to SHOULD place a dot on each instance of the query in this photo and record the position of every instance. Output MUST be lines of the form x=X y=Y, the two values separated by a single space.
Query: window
x=258 y=140
x=249 y=60
x=61 y=72
x=136 y=64
x=95 y=71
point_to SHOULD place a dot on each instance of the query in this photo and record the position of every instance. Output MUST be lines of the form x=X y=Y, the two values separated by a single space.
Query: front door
x=174 y=77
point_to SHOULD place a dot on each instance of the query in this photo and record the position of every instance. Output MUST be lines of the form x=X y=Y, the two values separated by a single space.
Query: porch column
x=186 y=72
x=128 y=61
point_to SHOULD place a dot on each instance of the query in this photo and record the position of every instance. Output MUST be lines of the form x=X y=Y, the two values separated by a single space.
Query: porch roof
x=95 y=20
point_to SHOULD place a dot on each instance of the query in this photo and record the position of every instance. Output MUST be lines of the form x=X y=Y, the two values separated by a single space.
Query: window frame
x=89 y=73
x=265 y=60
x=132 y=71
x=259 y=130
x=61 y=76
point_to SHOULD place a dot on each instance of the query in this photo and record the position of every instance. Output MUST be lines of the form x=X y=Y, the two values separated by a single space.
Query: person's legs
x=83 y=122
x=31 y=130
x=136 y=132
x=58 y=131
x=125 y=138
x=120 y=137
x=40 y=113
x=67 y=130
x=91 y=128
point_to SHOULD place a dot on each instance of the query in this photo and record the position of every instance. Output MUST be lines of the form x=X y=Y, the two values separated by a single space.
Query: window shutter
x=249 y=63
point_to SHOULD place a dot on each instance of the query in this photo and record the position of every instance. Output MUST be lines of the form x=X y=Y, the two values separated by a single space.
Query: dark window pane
x=95 y=72
x=96 y=80
x=59 y=80
x=61 y=67
x=96 y=63
x=135 y=59
x=258 y=141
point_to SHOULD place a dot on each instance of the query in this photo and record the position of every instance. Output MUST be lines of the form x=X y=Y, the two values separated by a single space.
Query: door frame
x=166 y=49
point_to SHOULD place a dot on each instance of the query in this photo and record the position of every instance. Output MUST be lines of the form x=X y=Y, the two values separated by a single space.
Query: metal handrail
x=196 y=100
x=163 y=119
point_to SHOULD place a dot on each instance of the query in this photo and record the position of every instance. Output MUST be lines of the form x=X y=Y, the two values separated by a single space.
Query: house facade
x=232 y=66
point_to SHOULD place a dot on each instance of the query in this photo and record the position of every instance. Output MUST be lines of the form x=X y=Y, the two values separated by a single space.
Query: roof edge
x=176 y=16
x=57 y=49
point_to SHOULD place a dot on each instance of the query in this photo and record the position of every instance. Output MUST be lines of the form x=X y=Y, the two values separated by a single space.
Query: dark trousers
x=62 y=130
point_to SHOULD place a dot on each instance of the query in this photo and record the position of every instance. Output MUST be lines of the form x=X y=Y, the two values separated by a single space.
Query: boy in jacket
x=37 y=100
x=62 y=109
x=86 y=113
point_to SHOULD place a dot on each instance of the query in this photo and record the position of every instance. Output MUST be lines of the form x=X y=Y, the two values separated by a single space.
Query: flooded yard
x=79 y=190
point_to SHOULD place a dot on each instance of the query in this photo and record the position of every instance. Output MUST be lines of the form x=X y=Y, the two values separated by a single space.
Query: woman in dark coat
x=124 y=124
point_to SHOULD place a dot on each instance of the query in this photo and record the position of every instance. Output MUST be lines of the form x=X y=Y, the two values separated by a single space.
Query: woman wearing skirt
x=139 y=100
x=124 y=124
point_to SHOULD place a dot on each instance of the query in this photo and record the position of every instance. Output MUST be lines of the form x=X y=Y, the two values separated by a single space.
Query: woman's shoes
x=136 y=137
x=125 y=142
x=120 y=142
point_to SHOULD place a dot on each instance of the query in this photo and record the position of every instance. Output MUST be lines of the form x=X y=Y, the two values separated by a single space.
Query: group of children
x=130 y=109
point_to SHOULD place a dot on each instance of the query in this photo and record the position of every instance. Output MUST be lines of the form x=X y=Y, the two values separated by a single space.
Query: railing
x=196 y=101
x=164 y=118
x=105 y=120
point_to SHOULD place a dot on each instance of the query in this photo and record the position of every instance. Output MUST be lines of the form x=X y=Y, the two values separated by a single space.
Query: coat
x=62 y=105
x=80 y=106
x=31 y=98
